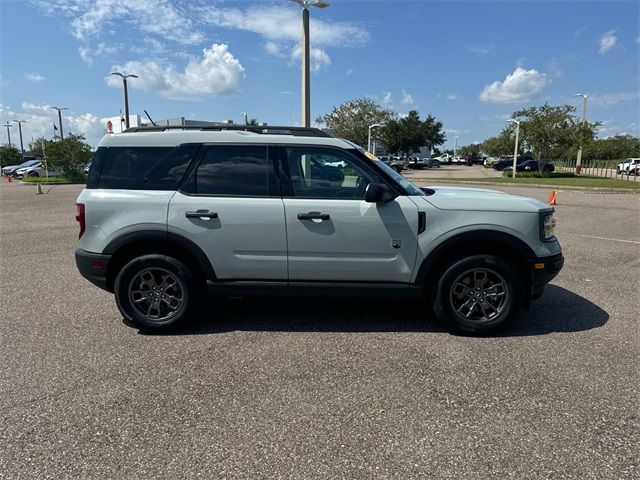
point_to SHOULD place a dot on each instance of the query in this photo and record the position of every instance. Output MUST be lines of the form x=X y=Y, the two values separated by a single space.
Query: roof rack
x=267 y=130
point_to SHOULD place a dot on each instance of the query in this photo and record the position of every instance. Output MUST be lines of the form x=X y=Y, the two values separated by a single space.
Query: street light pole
x=455 y=150
x=515 y=151
x=8 y=125
x=124 y=77
x=371 y=127
x=584 y=119
x=20 y=122
x=306 y=79
x=60 y=119
x=246 y=121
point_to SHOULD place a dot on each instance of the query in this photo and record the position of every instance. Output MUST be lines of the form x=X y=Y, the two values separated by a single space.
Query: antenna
x=149 y=117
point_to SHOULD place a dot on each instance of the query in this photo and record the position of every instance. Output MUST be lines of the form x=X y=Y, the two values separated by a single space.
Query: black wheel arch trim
x=494 y=237
x=166 y=237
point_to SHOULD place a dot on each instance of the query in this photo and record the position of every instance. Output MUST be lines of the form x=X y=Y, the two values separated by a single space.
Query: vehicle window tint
x=233 y=170
x=128 y=167
x=326 y=173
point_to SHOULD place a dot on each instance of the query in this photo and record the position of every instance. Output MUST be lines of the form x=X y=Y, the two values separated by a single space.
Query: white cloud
x=407 y=98
x=638 y=40
x=319 y=59
x=614 y=99
x=387 y=100
x=279 y=23
x=482 y=50
x=217 y=72
x=607 y=42
x=272 y=48
x=349 y=72
x=34 y=77
x=40 y=119
x=520 y=86
x=451 y=96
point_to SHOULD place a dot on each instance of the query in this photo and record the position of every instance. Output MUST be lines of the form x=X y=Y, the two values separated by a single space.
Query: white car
x=628 y=166
x=36 y=170
x=458 y=160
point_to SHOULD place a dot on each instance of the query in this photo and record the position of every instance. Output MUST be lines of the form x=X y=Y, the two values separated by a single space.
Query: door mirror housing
x=378 y=193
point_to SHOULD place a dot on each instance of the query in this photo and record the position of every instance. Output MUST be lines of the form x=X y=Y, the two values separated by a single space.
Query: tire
x=34 y=174
x=174 y=296
x=397 y=169
x=468 y=304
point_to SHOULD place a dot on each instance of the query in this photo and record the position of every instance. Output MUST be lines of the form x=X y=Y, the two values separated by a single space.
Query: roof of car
x=175 y=137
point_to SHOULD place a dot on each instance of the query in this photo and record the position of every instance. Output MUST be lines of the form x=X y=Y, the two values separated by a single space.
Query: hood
x=480 y=199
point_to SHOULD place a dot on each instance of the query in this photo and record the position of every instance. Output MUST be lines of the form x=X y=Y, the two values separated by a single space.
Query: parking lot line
x=604 y=238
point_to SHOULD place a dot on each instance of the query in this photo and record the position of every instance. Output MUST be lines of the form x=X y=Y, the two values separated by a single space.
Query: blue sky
x=468 y=63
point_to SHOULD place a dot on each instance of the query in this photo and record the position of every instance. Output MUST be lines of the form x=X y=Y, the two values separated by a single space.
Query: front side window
x=234 y=170
x=318 y=172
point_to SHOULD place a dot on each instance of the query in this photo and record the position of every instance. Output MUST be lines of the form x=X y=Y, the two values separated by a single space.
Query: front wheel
x=157 y=293
x=478 y=294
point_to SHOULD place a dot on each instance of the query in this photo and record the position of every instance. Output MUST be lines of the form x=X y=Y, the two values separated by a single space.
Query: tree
x=70 y=154
x=612 y=148
x=38 y=147
x=406 y=135
x=9 y=155
x=352 y=119
x=503 y=144
x=470 y=150
x=549 y=132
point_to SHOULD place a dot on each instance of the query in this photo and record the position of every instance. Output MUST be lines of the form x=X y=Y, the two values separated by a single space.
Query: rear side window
x=144 y=168
x=232 y=170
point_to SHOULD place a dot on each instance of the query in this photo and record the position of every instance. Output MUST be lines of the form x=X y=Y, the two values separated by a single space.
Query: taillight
x=80 y=217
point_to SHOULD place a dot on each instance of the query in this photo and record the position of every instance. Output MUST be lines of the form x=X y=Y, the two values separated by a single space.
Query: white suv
x=171 y=214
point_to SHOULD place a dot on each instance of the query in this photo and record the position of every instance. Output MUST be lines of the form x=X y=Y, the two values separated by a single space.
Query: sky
x=469 y=63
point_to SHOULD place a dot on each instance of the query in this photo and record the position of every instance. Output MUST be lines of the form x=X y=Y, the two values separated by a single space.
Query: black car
x=530 y=166
x=502 y=164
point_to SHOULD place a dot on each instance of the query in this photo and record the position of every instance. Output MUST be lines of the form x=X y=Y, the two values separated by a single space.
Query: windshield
x=411 y=189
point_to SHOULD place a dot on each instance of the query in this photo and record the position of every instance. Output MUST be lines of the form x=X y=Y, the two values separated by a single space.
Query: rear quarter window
x=140 y=168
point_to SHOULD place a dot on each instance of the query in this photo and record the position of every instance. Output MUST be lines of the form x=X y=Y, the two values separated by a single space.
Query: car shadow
x=558 y=310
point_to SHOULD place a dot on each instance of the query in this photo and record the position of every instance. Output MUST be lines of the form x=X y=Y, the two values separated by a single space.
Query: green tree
x=406 y=135
x=352 y=119
x=503 y=144
x=38 y=147
x=70 y=154
x=9 y=155
x=549 y=132
x=612 y=148
x=469 y=150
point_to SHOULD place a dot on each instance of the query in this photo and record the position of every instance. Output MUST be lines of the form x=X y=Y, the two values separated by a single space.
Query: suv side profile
x=171 y=215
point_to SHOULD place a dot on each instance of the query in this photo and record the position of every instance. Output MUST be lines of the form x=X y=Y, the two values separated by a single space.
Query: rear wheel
x=157 y=293
x=478 y=294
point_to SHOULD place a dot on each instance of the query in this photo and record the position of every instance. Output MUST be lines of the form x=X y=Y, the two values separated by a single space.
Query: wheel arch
x=134 y=244
x=477 y=242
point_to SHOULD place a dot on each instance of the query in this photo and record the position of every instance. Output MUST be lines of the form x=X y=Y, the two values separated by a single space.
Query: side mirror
x=378 y=193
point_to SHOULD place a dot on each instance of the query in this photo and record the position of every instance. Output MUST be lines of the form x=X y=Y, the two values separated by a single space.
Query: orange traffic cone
x=552 y=198
x=9 y=178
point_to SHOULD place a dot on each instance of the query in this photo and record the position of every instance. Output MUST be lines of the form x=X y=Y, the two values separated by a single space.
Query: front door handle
x=201 y=214
x=313 y=216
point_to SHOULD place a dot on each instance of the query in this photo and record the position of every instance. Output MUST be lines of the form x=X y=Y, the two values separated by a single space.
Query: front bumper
x=543 y=270
x=93 y=267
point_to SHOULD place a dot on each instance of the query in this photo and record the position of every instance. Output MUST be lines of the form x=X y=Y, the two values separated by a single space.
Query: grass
x=60 y=179
x=586 y=181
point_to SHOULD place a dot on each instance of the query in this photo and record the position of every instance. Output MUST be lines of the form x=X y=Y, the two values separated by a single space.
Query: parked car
x=416 y=163
x=628 y=166
x=530 y=166
x=431 y=163
x=444 y=158
x=223 y=213
x=476 y=160
x=490 y=161
x=508 y=162
x=394 y=162
x=36 y=170
x=11 y=169
x=459 y=160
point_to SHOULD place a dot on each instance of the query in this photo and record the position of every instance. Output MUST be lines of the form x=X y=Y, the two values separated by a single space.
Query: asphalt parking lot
x=321 y=390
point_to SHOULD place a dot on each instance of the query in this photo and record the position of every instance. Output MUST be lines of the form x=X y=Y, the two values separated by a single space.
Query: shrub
x=540 y=175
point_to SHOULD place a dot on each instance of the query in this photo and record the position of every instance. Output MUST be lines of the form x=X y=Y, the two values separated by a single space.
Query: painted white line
x=605 y=238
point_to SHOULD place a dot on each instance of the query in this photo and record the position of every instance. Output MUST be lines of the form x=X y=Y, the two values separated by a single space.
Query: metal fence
x=597 y=168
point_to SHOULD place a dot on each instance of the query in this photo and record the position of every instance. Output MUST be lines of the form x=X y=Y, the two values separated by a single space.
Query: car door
x=230 y=205
x=332 y=233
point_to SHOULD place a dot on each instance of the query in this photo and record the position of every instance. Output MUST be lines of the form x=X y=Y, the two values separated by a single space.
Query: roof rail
x=267 y=130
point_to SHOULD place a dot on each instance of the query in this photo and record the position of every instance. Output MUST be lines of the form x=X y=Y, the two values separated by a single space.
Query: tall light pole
x=124 y=77
x=371 y=127
x=60 y=119
x=584 y=119
x=455 y=150
x=8 y=124
x=306 y=79
x=20 y=122
x=246 y=121
x=515 y=151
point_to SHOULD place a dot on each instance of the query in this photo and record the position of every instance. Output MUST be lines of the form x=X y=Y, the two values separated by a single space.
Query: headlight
x=547 y=226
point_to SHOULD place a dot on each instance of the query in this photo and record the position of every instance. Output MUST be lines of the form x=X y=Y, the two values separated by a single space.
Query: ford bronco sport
x=170 y=215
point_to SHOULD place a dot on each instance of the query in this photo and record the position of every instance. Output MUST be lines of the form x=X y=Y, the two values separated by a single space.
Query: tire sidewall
x=444 y=310
x=177 y=268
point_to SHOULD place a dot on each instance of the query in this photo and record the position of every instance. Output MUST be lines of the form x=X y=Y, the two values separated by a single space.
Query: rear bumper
x=93 y=267
x=543 y=270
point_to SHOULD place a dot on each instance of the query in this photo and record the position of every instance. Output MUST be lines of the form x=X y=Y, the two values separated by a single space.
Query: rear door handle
x=201 y=214
x=313 y=216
